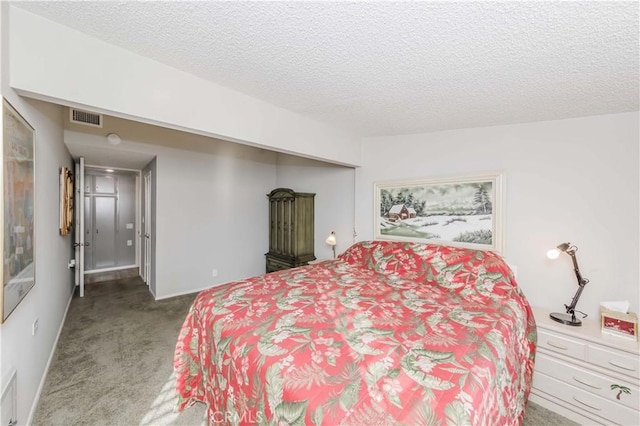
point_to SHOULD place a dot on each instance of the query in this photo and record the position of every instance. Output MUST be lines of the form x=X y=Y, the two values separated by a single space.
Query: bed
x=387 y=333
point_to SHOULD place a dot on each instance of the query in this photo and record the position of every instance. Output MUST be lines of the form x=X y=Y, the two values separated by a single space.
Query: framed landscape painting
x=463 y=211
x=66 y=201
x=18 y=251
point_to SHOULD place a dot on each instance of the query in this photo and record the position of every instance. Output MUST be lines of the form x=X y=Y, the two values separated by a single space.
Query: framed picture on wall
x=66 y=201
x=18 y=177
x=463 y=211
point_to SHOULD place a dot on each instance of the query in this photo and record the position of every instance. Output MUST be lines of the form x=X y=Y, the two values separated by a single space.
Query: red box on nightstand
x=619 y=323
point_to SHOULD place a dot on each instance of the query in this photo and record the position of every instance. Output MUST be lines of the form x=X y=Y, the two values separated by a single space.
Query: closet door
x=88 y=233
x=100 y=221
x=104 y=238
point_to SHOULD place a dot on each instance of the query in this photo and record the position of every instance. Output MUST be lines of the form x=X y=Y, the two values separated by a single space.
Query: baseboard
x=102 y=276
x=34 y=406
x=115 y=268
x=169 y=296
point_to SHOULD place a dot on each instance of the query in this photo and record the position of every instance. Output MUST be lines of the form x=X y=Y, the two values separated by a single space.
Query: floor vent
x=86 y=118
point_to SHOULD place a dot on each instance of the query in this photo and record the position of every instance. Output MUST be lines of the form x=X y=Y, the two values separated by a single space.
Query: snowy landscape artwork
x=462 y=211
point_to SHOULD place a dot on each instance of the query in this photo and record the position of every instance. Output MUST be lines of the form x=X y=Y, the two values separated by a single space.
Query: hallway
x=114 y=361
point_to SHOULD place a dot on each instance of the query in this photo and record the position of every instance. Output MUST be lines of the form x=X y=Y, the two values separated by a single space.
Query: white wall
x=571 y=180
x=211 y=210
x=212 y=213
x=48 y=299
x=83 y=70
x=334 y=200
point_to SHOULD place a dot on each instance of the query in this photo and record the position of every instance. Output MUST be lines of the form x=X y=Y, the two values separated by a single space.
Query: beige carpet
x=114 y=362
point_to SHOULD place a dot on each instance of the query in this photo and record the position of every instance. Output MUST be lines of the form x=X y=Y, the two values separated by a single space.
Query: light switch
x=129 y=242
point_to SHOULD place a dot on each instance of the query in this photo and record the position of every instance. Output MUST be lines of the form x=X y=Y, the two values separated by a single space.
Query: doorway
x=146 y=232
x=109 y=220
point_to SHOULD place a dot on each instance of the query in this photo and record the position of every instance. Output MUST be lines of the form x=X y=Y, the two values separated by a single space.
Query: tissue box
x=619 y=323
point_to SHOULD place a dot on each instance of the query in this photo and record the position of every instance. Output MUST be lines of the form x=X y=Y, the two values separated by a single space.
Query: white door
x=79 y=218
x=146 y=233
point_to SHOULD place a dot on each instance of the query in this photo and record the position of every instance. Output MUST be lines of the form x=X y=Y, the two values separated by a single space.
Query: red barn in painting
x=401 y=212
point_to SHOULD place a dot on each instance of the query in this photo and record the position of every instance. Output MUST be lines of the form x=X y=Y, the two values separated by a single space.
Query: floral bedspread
x=388 y=333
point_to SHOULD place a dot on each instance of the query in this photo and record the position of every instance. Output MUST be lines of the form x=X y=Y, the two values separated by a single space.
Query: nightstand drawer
x=615 y=361
x=588 y=381
x=561 y=344
x=585 y=401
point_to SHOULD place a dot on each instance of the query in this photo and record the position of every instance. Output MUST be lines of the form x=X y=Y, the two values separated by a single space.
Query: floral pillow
x=406 y=260
x=458 y=269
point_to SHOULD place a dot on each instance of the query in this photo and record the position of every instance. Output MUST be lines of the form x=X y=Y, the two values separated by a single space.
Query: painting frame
x=18 y=209
x=421 y=210
x=66 y=201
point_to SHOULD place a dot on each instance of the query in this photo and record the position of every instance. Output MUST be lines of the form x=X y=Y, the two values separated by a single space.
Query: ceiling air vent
x=86 y=118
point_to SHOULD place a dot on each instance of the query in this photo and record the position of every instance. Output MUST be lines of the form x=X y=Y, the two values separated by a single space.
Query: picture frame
x=18 y=182
x=463 y=211
x=66 y=201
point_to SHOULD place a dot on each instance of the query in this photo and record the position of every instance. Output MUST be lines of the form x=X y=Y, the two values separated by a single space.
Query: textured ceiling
x=389 y=68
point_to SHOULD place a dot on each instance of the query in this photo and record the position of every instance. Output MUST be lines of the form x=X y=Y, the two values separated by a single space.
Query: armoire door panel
x=286 y=226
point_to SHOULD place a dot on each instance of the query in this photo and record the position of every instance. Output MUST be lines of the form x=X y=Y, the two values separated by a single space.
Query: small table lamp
x=570 y=317
x=331 y=240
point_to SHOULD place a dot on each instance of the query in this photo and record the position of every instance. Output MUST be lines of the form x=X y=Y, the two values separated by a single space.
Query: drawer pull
x=585 y=404
x=621 y=366
x=556 y=345
x=585 y=383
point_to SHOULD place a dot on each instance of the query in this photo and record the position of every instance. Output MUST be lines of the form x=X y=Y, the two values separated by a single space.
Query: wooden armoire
x=290 y=229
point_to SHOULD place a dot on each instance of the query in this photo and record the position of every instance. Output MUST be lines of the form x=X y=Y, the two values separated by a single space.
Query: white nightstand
x=575 y=368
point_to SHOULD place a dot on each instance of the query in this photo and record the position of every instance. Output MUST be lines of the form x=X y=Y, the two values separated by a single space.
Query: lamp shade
x=331 y=239
x=564 y=247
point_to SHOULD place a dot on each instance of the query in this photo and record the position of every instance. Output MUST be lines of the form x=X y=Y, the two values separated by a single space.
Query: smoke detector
x=113 y=139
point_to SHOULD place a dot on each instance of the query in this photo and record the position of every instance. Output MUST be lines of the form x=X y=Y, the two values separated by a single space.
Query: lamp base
x=565 y=319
